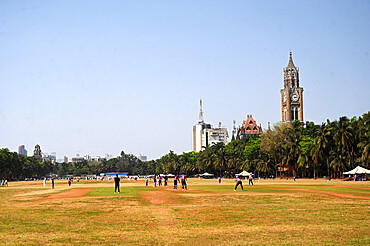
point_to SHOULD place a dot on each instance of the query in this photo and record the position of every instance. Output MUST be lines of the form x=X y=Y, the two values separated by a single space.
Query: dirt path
x=162 y=195
x=156 y=197
x=69 y=193
x=324 y=192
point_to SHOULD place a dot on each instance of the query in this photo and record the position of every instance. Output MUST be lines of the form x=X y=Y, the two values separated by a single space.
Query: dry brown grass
x=268 y=213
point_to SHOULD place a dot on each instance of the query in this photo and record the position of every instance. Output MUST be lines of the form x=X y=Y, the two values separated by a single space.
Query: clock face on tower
x=295 y=97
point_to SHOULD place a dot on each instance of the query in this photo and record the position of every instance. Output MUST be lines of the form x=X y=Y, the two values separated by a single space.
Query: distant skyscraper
x=22 y=150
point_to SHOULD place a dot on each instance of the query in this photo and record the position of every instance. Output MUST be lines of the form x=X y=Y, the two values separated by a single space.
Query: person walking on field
x=238 y=182
x=44 y=182
x=219 y=180
x=116 y=184
x=159 y=180
x=165 y=180
x=52 y=183
x=146 y=181
x=250 y=179
x=69 y=182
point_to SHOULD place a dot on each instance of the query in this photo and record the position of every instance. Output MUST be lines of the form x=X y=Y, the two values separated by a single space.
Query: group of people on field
x=238 y=182
x=157 y=181
x=177 y=180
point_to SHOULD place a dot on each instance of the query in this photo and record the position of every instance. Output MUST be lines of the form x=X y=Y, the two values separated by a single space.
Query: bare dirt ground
x=69 y=193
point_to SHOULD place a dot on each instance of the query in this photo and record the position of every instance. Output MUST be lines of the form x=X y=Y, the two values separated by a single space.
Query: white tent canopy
x=358 y=170
x=206 y=174
x=244 y=173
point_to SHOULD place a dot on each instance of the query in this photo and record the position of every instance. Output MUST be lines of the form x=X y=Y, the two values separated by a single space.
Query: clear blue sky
x=104 y=76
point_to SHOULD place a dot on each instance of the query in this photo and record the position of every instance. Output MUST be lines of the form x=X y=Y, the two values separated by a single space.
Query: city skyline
x=97 y=78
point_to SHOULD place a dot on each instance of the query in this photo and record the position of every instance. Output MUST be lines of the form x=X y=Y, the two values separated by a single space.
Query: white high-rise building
x=205 y=135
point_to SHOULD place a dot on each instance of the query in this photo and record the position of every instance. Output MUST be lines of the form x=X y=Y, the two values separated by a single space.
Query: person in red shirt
x=175 y=180
x=183 y=182
x=250 y=179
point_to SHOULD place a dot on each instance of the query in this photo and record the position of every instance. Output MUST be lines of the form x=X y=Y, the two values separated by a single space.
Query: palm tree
x=323 y=143
x=364 y=138
x=343 y=137
x=220 y=158
x=293 y=138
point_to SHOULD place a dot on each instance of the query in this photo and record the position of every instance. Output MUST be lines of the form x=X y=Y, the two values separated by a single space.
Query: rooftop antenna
x=200 y=120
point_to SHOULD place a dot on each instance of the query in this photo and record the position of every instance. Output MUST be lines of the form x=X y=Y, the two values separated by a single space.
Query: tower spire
x=200 y=120
x=291 y=64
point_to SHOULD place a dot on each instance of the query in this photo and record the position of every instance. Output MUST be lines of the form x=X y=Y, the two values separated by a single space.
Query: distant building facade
x=37 y=153
x=22 y=150
x=65 y=159
x=291 y=95
x=143 y=158
x=249 y=127
x=77 y=159
x=205 y=135
x=47 y=157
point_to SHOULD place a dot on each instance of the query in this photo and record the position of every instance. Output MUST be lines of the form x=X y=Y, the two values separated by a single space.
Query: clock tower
x=292 y=94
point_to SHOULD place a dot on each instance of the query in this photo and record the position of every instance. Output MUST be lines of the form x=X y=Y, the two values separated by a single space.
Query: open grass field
x=272 y=212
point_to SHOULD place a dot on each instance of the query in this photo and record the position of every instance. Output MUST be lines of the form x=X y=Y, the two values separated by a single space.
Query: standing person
x=116 y=184
x=146 y=181
x=52 y=183
x=44 y=182
x=250 y=179
x=219 y=180
x=6 y=182
x=175 y=182
x=165 y=180
x=69 y=182
x=154 y=181
x=238 y=182
x=159 y=180
x=183 y=181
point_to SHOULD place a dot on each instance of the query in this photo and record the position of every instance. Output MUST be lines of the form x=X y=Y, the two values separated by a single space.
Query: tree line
x=295 y=149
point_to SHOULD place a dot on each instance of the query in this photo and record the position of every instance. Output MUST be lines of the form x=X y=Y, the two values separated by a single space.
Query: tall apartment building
x=22 y=150
x=205 y=135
